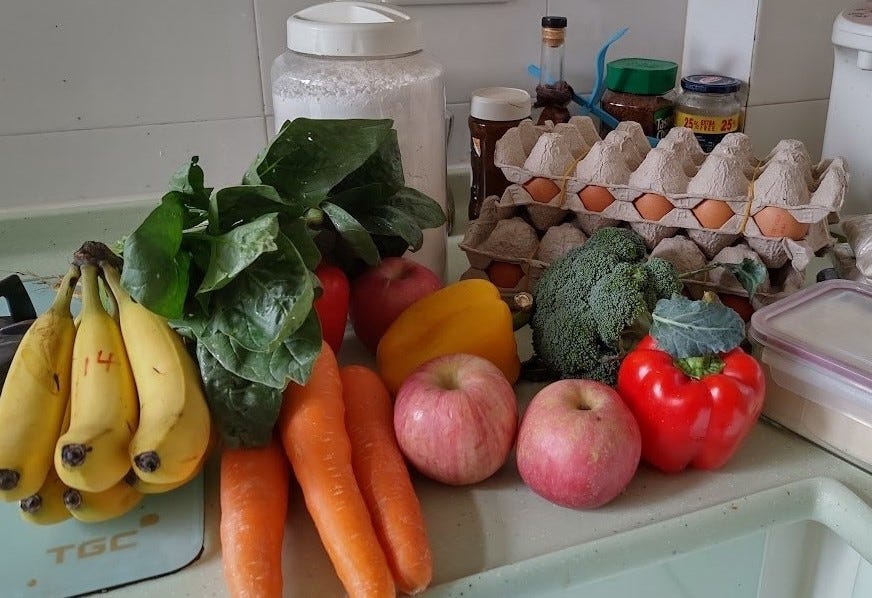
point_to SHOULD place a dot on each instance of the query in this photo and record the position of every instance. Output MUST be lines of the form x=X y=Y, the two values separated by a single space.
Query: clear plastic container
x=365 y=60
x=816 y=349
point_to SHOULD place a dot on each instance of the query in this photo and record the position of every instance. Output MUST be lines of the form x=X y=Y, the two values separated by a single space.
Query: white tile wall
x=793 y=58
x=102 y=98
x=768 y=124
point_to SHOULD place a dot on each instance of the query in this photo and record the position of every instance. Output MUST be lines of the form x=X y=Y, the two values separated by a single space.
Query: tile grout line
x=136 y=125
x=257 y=42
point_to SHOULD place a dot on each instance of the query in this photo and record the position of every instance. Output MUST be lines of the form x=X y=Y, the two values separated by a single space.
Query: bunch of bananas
x=97 y=412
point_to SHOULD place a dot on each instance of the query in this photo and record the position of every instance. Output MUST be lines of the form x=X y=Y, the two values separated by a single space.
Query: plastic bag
x=858 y=230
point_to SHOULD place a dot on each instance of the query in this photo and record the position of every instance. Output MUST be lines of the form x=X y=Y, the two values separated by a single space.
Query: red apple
x=578 y=444
x=455 y=418
x=382 y=292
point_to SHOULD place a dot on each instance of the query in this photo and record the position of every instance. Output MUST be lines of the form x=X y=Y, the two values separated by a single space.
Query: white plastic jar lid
x=500 y=104
x=354 y=29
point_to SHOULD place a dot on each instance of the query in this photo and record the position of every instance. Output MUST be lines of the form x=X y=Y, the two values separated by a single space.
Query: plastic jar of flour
x=365 y=60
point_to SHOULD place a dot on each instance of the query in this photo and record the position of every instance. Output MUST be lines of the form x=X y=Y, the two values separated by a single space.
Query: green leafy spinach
x=232 y=267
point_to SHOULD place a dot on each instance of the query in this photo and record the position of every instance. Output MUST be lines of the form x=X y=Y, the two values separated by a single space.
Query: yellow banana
x=174 y=426
x=153 y=488
x=46 y=507
x=92 y=455
x=93 y=507
x=34 y=398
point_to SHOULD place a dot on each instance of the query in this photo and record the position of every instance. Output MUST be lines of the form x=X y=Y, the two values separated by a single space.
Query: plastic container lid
x=642 y=76
x=500 y=104
x=710 y=84
x=354 y=29
x=828 y=324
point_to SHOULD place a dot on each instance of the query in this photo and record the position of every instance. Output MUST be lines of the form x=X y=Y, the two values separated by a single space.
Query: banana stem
x=64 y=295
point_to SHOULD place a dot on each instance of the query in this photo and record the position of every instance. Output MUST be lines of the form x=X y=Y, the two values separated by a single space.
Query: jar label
x=709 y=130
x=664 y=119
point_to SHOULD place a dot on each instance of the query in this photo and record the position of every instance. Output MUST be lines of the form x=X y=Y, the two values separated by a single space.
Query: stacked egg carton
x=688 y=206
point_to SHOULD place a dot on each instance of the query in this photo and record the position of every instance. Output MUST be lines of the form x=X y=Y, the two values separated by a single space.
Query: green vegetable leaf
x=685 y=328
x=154 y=248
x=245 y=411
x=750 y=274
x=383 y=167
x=292 y=360
x=267 y=301
x=188 y=180
x=299 y=234
x=309 y=157
x=426 y=212
x=231 y=206
x=353 y=233
x=234 y=251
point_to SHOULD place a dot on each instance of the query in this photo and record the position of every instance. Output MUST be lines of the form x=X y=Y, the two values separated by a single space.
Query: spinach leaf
x=267 y=301
x=188 y=181
x=233 y=252
x=383 y=167
x=155 y=272
x=352 y=232
x=230 y=206
x=245 y=411
x=310 y=157
x=426 y=212
x=292 y=360
x=299 y=234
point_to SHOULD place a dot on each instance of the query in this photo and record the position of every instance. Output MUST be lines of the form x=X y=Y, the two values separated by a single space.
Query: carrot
x=312 y=426
x=384 y=478
x=254 y=504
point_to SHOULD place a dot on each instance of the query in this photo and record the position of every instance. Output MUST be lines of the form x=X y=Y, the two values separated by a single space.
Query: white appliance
x=849 y=117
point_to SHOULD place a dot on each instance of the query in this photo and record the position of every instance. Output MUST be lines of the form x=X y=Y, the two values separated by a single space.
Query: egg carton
x=676 y=181
x=502 y=234
x=687 y=256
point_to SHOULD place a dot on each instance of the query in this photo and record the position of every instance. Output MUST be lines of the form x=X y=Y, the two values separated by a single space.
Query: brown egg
x=778 y=222
x=712 y=213
x=541 y=189
x=652 y=206
x=595 y=198
x=505 y=275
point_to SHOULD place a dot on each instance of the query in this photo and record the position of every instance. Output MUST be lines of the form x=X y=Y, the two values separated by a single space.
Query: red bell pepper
x=332 y=305
x=694 y=411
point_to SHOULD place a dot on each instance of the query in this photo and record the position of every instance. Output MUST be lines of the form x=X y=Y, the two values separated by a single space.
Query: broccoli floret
x=664 y=280
x=571 y=347
x=623 y=243
x=572 y=276
x=592 y=305
x=617 y=301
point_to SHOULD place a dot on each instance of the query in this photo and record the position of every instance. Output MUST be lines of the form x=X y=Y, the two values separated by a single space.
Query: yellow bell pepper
x=465 y=317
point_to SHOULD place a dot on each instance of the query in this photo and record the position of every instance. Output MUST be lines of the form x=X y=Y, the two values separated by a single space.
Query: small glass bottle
x=492 y=112
x=553 y=94
x=709 y=105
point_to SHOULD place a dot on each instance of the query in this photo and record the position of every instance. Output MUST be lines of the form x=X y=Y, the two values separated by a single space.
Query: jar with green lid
x=709 y=105
x=641 y=90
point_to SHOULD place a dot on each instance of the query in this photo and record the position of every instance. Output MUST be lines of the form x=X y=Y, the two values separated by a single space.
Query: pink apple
x=578 y=444
x=455 y=418
x=382 y=292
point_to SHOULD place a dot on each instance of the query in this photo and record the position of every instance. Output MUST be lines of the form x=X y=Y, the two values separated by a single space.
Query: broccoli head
x=592 y=305
x=623 y=243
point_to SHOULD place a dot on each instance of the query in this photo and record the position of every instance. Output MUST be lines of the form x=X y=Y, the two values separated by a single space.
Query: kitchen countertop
x=472 y=528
